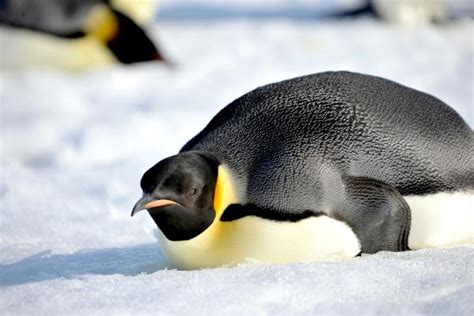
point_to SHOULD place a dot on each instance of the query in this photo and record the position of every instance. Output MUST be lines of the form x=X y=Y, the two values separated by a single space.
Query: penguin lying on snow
x=319 y=167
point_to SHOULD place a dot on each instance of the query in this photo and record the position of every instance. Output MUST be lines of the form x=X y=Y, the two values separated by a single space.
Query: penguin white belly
x=51 y=52
x=442 y=219
x=255 y=238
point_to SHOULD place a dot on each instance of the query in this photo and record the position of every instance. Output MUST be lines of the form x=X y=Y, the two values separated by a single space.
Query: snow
x=74 y=147
x=92 y=282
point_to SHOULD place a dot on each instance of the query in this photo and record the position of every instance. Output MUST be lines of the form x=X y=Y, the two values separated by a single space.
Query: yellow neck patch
x=102 y=24
x=225 y=193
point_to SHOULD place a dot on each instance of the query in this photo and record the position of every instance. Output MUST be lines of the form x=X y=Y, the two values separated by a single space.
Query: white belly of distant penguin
x=441 y=219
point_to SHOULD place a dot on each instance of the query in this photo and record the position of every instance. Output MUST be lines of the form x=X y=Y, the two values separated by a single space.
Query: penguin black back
x=364 y=125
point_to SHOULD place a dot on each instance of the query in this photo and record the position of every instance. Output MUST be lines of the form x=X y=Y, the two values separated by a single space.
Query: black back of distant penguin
x=288 y=136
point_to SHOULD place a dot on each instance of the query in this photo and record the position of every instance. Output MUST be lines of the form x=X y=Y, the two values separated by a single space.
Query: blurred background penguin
x=76 y=35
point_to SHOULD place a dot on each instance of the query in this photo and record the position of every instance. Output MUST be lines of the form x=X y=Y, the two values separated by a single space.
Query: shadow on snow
x=130 y=261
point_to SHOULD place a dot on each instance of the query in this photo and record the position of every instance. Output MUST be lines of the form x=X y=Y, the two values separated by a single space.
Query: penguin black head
x=178 y=192
x=131 y=44
x=125 y=38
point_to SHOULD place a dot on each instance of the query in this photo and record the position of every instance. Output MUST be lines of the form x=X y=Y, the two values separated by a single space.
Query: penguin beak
x=146 y=203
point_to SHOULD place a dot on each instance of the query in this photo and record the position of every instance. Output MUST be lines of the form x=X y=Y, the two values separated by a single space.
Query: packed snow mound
x=74 y=147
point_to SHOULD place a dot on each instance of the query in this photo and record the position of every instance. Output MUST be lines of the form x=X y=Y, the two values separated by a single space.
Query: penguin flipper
x=378 y=214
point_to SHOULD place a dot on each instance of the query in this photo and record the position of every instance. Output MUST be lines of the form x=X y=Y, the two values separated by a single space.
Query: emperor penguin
x=321 y=167
x=75 y=34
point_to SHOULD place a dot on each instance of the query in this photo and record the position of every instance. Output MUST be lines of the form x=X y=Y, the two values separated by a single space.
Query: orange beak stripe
x=159 y=203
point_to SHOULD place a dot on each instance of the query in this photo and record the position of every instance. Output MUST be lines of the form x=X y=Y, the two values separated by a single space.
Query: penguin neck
x=226 y=192
x=102 y=24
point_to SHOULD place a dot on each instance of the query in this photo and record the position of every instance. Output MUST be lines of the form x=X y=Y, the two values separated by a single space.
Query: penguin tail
x=125 y=39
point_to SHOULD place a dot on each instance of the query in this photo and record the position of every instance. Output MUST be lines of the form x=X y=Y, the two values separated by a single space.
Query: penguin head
x=130 y=43
x=124 y=38
x=178 y=192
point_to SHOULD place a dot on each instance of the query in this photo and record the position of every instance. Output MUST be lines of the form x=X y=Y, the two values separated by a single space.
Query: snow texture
x=74 y=146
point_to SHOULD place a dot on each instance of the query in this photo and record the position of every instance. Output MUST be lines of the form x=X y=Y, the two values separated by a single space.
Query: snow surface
x=74 y=147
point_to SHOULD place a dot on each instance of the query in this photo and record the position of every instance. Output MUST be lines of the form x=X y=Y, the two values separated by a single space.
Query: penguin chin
x=179 y=223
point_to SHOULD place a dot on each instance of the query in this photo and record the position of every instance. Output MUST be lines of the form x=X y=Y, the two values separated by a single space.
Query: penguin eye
x=192 y=192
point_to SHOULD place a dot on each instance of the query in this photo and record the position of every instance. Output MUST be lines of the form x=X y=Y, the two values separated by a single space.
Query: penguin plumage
x=313 y=168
